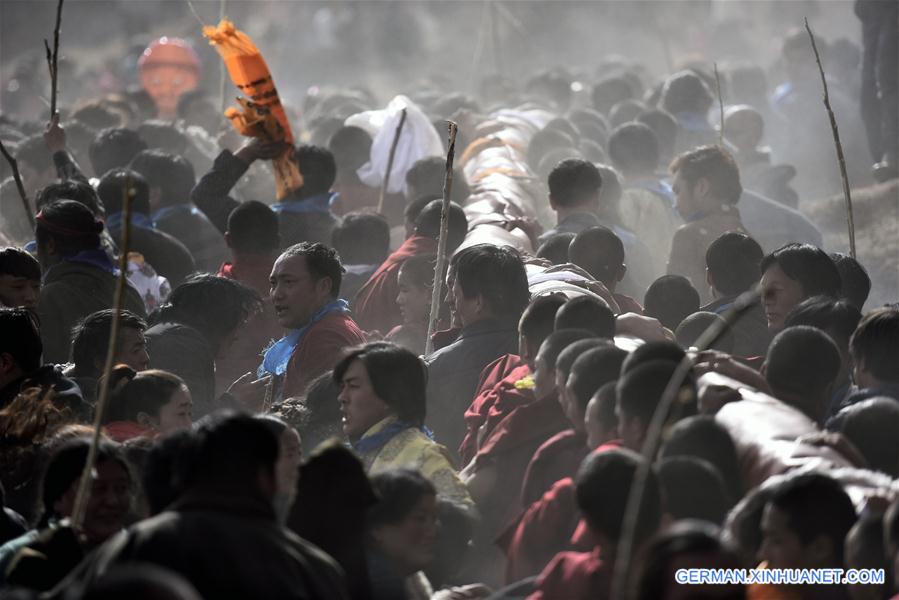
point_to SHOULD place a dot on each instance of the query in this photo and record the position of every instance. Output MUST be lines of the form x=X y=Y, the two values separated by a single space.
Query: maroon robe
x=575 y=576
x=557 y=458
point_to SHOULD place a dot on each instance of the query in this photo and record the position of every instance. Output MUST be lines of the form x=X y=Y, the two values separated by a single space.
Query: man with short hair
x=303 y=216
x=707 y=188
x=305 y=292
x=362 y=239
x=599 y=251
x=874 y=347
x=89 y=346
x=375 y=305
x=20 y=279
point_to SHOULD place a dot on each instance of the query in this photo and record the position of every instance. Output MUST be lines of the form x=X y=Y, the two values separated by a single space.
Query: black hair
x=694 y=489
x=351 y=147
x=664 y=125
x=321 y=262
x=318 y=169
x=398 y=377
x=565 y=359
x=714 y=164
x=17 y=262
x=640 y=390
x=64 y=467
x=362 y=237
x=703 y=437
x=807 y=264
x=317 y=417
x=427 y=223
x=214 y=306
x=231 y=449
x=96 y=115
x=414 y=207
x=91 y=336
x=555 y=248
x=837 y=318
x=871 y=426
x=495 y=273
x=609 y=92
x=670 y=298
x=79 y=191
x=693 y=326
x=21 y=338
x=633 y=147
x=167 y=469
x=253 y=229
x=171 y=173
x=537 y=320
x=574 y=182
x=593 y=369
x=114 y=147
x=419 y=269
x=139 y=392
x=876 y=342
x=605 y=399
x=655 y=350
x=163 y=135
x=71 y=225
x=856 y=284
x=603 y=487
x=733 y=261
x=815 y=505
x=558 y=341
x=625 y=111
x=587 y=312
x=399 y=491
x=686 y=92
x=426 y=177
x=599 y=251
x=802 y=360
x=112 y=186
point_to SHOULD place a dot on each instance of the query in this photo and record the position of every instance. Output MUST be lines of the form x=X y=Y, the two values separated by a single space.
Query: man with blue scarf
x=305 y=293
x=304 y=215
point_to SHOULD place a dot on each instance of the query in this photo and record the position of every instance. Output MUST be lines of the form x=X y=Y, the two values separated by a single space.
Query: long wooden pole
x=87 y=476
x=850 y=220
x=53 y=58
x=17 y=177
x=720 y=105
x=386 y=181
x=437 y=292
x=223 y=74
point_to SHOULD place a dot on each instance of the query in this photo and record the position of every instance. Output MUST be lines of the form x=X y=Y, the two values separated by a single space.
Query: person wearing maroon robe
x=575 y=575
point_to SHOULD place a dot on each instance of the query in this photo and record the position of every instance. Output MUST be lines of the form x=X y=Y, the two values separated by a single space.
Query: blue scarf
x=380 y=439
x=96 y=258
x=165 y=212
x=319 y=203
x=115 y=220
x=278 y=354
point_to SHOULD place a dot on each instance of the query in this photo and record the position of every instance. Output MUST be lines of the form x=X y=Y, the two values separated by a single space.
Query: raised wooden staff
x=386 y=181
x=437 y=292
x=720 y=105
x=17 y=177
x=850 y=220
x=53 y=58
x=87 y=476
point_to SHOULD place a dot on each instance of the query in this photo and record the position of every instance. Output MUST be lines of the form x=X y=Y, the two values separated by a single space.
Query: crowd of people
x=643 y=359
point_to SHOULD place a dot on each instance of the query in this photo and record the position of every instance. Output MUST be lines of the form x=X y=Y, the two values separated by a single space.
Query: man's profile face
x=296 y=294
x=781 y=547
x=685 y=201
x=16 y=291
x=133 y=349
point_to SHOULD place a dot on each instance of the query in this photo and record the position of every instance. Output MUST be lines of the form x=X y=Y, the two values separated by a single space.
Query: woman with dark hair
x=793 y=273
x=382 y=399
x=416 y=282
x=54 y=551
x=401 y=535
x=146 y=404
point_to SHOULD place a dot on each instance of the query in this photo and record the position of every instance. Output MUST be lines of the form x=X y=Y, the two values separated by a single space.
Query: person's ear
x=701 y=188
x=552 y=202
x=622 y=271
x=763 y=371
x=708 y=277
x=228 y=240
x=267 y=482
x=323 y=286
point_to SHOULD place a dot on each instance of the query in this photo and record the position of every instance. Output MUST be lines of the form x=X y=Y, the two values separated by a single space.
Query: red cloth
x=627 y=304
x=122 y=431
x=557 y=458
x=550 y=525
x=496 y=397
x=575 y=576
x=319 y=350
x=375 y=307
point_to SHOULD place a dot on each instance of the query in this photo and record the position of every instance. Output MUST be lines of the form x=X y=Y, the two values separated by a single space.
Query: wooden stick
x=84 y=485
x=720 y=105
x=53 y=58
x=17 y=177
x=390 y=157
x=850 y=220
x=437 y=292
x=654 y=433
x=223 y=74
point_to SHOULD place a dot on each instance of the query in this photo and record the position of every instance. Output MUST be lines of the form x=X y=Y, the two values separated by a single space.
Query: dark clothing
x=72 y=291
x=211 y=196
x=454 y=372
x=193 y=229
x=751 y=335
x=772 y=224
x=12 y=525
x=557 y=458
x=354 y=278
x=890 y=390
x=575 y=575
x=226 y=546
x=46 y=558
x=66 y=392
x=168 y=256
x=880 y=75
x=184 y=351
